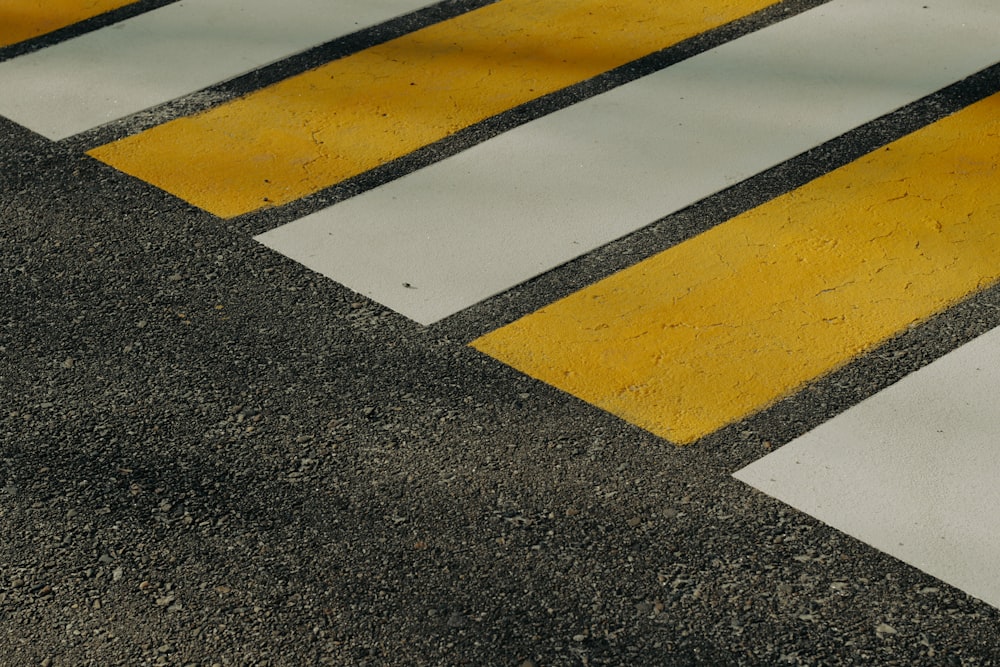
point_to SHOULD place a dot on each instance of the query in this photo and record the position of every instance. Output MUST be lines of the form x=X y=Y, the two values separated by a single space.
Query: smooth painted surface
x=730 y=321
x=912 y=471
x=168 y=52
x=520 y=204
x=319 y=128
x=24 y=19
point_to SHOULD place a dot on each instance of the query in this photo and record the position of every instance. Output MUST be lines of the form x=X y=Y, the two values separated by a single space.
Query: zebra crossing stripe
x=723 y=325
x=445 y=237
x=316 y=129
x=21 y=20
x=166 y=53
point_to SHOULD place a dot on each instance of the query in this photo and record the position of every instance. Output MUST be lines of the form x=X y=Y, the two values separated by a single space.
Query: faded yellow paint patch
x=725 y=324
x=316 y=129
x=21 y=20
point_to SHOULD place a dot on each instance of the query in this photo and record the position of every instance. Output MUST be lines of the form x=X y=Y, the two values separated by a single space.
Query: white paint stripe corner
x=911 y=471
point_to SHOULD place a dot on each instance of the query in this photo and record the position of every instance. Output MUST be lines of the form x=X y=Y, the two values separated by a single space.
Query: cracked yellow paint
x=726 y=323
x=21 y=20
x=316 y=129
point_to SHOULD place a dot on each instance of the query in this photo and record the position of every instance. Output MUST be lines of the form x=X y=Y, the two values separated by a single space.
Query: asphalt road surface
x=235 y=430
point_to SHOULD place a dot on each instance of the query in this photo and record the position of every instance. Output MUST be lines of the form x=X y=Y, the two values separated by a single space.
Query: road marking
x=912 y=470
x=721 y=326
x=21 y=20
x=526 y=201
x=175 y=50
x=316 y=129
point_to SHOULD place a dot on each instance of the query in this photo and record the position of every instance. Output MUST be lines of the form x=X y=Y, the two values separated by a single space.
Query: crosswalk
x=546 y=130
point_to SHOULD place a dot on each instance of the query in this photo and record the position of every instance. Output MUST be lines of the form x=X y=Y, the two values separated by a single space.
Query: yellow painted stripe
x=724 y=324
x=24 y=19
x=316 y=129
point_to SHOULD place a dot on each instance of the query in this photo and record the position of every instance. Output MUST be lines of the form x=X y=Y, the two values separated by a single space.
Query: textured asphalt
x=210 y=455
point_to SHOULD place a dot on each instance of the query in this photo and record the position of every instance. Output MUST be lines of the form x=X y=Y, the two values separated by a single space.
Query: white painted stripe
x=522 y=203
x=912 y=471
x=169 y=52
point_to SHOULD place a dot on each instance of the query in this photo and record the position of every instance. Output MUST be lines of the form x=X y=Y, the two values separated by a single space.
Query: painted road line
x=21 y=20
x=171 y=51
x=911 y=471
x=728 y=322
x=319 y=128
x=519 y=204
